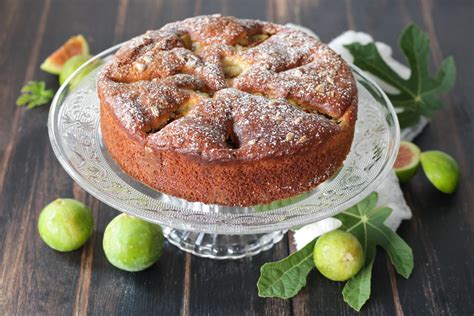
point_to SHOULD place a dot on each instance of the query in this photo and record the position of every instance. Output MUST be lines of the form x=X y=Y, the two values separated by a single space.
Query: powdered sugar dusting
x=225 y=88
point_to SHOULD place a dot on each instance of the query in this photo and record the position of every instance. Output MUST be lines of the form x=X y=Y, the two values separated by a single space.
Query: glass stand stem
x=222 y=246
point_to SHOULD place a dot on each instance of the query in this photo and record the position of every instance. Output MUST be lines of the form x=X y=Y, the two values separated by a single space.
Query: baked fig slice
x=75 y=45
x=408 y=161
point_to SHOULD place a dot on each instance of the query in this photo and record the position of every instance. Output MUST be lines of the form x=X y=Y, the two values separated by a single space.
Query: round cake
x=228 y=111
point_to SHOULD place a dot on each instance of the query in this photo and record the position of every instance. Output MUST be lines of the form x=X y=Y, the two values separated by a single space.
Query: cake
x=227 y=111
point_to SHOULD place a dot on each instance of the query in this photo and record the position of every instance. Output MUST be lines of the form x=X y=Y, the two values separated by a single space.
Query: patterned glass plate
x=76 y=140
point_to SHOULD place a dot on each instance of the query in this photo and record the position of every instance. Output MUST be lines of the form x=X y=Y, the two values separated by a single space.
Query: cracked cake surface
x=228 y=111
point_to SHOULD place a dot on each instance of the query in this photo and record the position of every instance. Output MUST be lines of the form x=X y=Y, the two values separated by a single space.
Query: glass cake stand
x=216 y=231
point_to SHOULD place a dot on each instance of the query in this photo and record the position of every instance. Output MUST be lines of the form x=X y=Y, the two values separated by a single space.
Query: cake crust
x=228 y=111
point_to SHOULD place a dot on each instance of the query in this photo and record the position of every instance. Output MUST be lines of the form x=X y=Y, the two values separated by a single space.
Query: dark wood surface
x=37 y=280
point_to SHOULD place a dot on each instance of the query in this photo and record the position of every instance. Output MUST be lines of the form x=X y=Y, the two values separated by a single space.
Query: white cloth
x=389 y=191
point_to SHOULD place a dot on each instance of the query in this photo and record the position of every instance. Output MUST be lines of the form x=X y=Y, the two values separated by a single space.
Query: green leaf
x=399 y=252
x=366 y=222
x=23 y=99
x=285 y=278
x=357 y=290
x=34 y=94
x=420 y=94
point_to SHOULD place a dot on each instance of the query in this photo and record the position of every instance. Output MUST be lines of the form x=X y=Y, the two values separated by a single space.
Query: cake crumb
x=298 y=120
x=303 y=139
x=139 y=67
x=147 y=59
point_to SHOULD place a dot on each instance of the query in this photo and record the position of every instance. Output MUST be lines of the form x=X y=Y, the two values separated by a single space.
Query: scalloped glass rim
x=102 y=178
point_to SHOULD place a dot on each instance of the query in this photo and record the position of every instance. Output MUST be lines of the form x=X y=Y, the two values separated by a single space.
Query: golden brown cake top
x=226 y=88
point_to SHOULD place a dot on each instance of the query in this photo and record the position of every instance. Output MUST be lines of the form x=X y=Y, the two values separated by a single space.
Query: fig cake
x=228 y=111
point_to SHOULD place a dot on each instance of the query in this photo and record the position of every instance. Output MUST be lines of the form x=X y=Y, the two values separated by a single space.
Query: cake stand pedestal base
x=222 y=246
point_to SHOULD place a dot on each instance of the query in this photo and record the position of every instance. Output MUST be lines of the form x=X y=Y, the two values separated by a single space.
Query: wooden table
x=37 y=280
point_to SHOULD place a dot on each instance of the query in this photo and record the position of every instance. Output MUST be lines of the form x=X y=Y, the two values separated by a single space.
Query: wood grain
x=83 y=283
x=186 y=285
x=393 y=283
x=120 y=20
x=14 y=238
x=30 y=69
x=37 y=280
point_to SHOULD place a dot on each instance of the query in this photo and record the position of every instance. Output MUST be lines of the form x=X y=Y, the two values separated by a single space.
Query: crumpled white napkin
x=389 y=191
